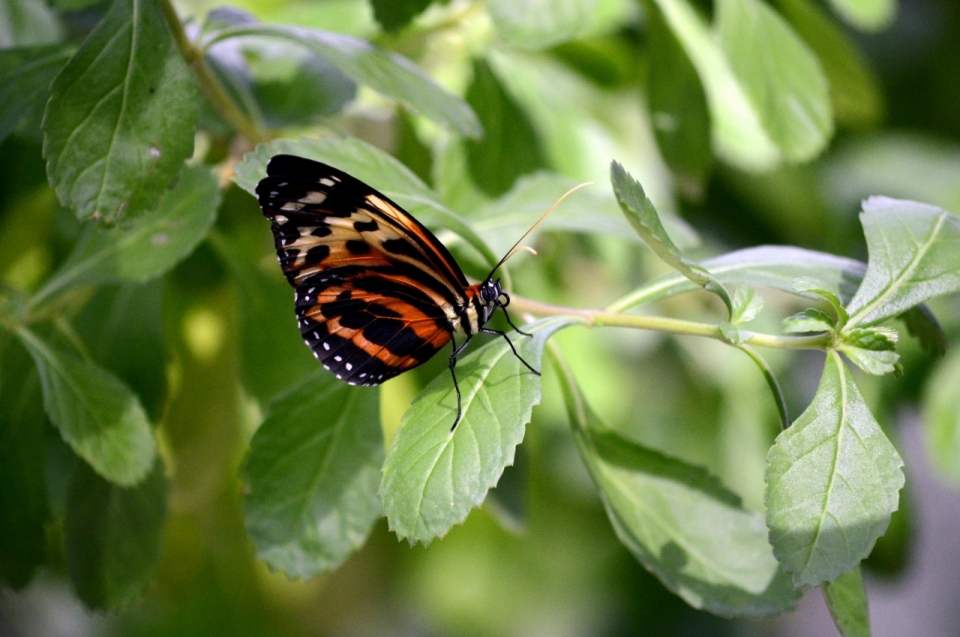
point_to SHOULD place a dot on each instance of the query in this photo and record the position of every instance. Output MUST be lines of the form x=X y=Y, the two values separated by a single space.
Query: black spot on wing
x=355 y=246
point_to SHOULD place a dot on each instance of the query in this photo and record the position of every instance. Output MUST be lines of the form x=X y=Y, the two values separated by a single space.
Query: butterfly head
x=492 y=296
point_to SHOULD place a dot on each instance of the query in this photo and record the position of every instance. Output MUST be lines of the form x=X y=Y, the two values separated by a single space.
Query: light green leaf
x=387 y=73
x=27 y=23
x=433 y=476
x=832 y=482
x=643 y=216
x=914 y=256
x=746 y=305
x=312 y=474
x=25 y=77
x=538 y=24
x=148 y=246
x=847 y=600
x=112 y=536
x=121 y=116
x=680 y=522
x=941 y=411
x=872 y=361
x=97 y=415
x=866 y=15
x=812 y=287
x=370 y=165
x=810 y=320
x=780 y=75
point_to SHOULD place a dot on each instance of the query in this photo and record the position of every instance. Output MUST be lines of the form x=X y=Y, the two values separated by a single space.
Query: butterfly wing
x=375 y=290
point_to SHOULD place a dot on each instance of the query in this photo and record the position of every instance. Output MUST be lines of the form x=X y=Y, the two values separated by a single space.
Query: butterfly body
x=376 y=292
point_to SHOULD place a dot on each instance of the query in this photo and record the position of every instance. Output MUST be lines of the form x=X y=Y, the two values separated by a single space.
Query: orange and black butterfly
x=376 y=292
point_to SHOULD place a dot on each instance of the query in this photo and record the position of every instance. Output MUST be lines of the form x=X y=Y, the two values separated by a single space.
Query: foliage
x=147 y=339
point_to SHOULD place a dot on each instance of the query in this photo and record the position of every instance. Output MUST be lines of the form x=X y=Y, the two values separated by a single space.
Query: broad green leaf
x=854 y=90
x=847 y=600
x=387 y=73
x=433 y=476
x=112 y=536
x=872 y=361
x=370 y=165
x=312 y=474
x=780 y=75
x=537 y=24
x=23 y=447
x=866 y=15
x=97 y=415
x=121 y=116
x=147 y=247
x=832 y=482
x=679 y=521
x=941 y=410
x=509 y=147
x=775 y=267
x=810 y=320
x=27 y=23
x=393 y=15
x=25 y=77
x=914 y=256
x=643 y=216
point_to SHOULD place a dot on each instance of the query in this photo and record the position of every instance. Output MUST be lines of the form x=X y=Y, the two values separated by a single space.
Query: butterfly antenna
x=515 y=248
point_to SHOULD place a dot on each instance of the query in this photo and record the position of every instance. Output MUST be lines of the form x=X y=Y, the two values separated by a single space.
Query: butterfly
x=376 y=292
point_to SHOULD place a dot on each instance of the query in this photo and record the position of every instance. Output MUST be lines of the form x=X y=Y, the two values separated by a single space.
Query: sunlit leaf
x=121 y=116
x=313 y=474
x=27 y=23
x=810 y=320
x=25 y=77
x=680 y=522
x=941 y=408
x=914 y=256
x=832 y=482
x=867 y=15
x=537 y=24
x=433 y=476
x=746 y=305
x=97 y=415
x=112 y=536
x=847 y=600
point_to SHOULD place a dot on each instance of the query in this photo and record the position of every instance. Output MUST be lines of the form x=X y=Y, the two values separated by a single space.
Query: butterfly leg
x=504 y=308
x=453 y=373
x=513 y=349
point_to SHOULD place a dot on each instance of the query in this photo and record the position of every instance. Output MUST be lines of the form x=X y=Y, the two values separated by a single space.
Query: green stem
x=209 y=84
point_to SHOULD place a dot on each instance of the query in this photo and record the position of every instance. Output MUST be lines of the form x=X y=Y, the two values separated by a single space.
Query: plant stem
x=209 y=84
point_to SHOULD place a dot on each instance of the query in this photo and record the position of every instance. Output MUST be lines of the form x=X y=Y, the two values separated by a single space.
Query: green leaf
x=393 y=15
x=922 y=324
x=847 y=600
x=387 y=73
x=112 y=536
x=866 y=15
x=373 y=166
x=854 y=90
x=832 y=482
x=313 y=473
x=433 y=476
x=812 y=287
x=679 y=521
x=121 y=116
x=147 y=247
x=941 y=410
x=780 y=75
x=25 y=77
x=509 y=147
x=873 y=362
x=27 y=23
x=537 y=24
x=914 y=256
x=23 y=447
x=810 y=320
x=97 y=415
x=746 y=305
x=643 y=216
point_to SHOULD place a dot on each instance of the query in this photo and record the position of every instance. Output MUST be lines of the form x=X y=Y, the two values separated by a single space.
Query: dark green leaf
x=121 y=116
x=537 y=24
x=112 y=536
x=941 y=409
x=914 y=257
x=509 y=147
x=27 y=23
x=832 y=482
x=780 y=75
x=922 y=324
x=847 y=600
x=433 y=476
x=393 y=15
x=679 y=521
x=387 y=73
x=643 y=216
x=313 y=474
x=23 y=445
x=809 y=320
x=25 y=77
x=97 y=415
x=148 y=246
x=867 y=15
